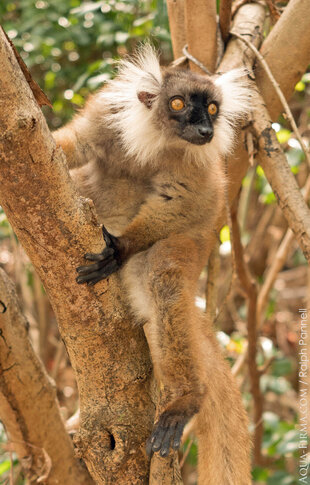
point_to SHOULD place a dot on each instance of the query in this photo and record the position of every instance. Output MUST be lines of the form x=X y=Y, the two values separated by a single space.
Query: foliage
x=70 y=46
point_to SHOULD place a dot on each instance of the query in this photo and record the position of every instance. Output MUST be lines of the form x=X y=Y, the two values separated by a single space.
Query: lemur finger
x=90 y=268
x=176 y=442
x=105 y=273
x=99 y=256
x=148 y=447
x=157 y=437
x=102 y=273
x=165 y=447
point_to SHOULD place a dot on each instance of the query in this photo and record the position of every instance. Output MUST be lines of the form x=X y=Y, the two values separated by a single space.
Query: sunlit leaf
x=224 y=234
x=283 y=135
x=300 y=86
x=5 y=466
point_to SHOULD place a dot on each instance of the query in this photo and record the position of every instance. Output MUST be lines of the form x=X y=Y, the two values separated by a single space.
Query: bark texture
x=28 y=405
x=200 y=23
x=177 y=26
x=294 y=52
x=56 y=227
x=277 y=170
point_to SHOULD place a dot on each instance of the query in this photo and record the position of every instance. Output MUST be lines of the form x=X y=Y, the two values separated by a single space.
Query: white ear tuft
x=129 y=98
x=235 y=106
x=236 y=94
x=142 y=69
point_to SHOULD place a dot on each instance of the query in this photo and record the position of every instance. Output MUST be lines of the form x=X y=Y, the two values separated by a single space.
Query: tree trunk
x=56 y=227
x=28 y=405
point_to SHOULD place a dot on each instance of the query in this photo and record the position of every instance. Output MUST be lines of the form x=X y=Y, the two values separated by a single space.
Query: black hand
x=166 y=434
x=105 y=263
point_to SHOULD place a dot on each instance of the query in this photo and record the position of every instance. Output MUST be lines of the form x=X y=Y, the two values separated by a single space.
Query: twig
x=189 y=429
x=59 y=356
x=278 y=91
x=274 y=12
x=186 y=452
x=194 y=60
x=236 y=368
x=211 y=285
x=262 y=370
x=277 y=264
x=249 y=287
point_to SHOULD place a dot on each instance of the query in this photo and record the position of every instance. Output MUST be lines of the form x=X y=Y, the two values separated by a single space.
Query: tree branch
x=56 y=227
x=279 y=93
x=225 y=18
x=288 y=65
x=277 y=263
x=280 y=177
x=177 y=26
x=287 y=50
x=28 y=405
x=250 y=289
x=200 y=22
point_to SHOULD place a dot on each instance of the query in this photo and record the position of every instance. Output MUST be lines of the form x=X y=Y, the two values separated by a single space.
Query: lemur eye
x=177 y=104
x=212 y=109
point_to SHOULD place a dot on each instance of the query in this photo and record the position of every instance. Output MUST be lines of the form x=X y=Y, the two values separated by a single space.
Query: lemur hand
x=105 y=263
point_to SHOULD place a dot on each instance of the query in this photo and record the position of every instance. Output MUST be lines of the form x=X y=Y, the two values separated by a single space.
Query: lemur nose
x=206 y=132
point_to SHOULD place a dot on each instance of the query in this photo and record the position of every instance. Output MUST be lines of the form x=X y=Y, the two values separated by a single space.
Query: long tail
x=222 y=426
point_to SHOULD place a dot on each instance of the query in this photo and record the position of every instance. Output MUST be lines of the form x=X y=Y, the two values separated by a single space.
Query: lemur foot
x=167 y=433
x=105 y=263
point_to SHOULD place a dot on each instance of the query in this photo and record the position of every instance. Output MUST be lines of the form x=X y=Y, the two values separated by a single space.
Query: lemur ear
x=146 y=98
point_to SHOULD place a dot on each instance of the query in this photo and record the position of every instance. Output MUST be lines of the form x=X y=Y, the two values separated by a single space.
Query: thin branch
x=277 y=264
x=279 y=93
x=262 y=370
x=186 y=452
x=211 y=285
x=236 y=368
x=194 y=60
x=249 y=287
x=274 y=12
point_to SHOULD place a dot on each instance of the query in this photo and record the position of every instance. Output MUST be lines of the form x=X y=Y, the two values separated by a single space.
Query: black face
x=194 y=115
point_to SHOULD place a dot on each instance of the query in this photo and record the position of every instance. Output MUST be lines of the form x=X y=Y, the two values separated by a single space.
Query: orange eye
x=212 y=109
x=177 y=104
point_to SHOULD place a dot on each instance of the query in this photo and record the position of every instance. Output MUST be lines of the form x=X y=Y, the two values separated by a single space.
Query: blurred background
x=70 y=47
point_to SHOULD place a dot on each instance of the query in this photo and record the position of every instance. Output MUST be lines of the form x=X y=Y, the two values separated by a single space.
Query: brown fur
x=164 y=213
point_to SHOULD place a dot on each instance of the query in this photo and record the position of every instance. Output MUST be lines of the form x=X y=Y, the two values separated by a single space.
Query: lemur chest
x=118 y=202
x=117 y=199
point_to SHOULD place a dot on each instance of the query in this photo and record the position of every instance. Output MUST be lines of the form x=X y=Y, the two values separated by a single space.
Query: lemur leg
x=162 y=285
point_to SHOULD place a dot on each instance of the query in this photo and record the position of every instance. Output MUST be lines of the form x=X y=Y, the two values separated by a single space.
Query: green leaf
x=289 y=443
x=5 y=466
x=280 y=478
x=281 y=367
x=260 y=474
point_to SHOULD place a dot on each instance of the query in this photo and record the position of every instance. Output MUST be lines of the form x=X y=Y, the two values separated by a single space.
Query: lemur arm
x=72 y=138
x=170 y=209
